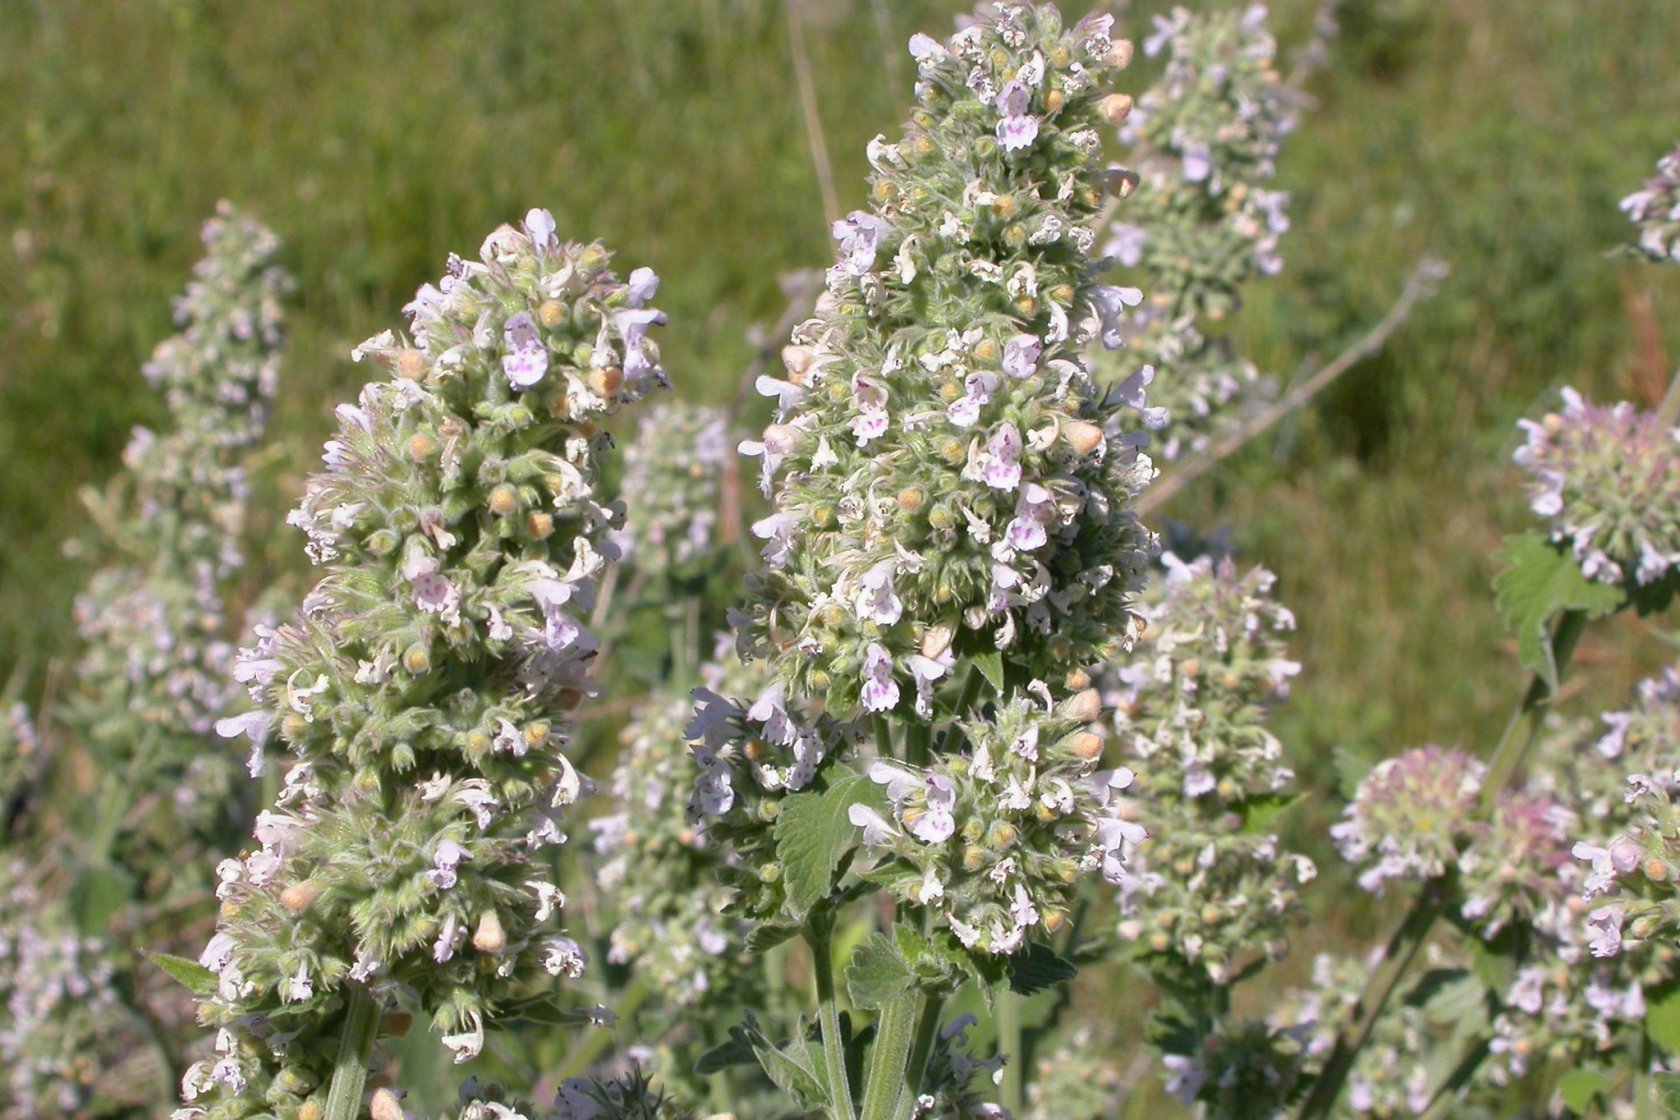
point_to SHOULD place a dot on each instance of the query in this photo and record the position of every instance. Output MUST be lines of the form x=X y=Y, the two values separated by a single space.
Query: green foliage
x=878 y=973
x=1537 y=582
x=813 y=833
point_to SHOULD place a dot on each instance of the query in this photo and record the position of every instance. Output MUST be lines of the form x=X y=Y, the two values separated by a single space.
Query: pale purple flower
x=1110 y=301
x=1020 y=355
x=937 y=824
x=927 y=52
x=1126 y=243
x=445 y=860
x=564 y=957
x=1198 y=161
x=641 y=286
x=1034 y=510
x=859 y=234
x=778 y=530
x=299 y=986
x=880 y=691
x=876 y=601
x=526 y=361
x=877 y=830
x=540 y=225
x=1605 y=926
x=1016 y=130
x=1002 y=468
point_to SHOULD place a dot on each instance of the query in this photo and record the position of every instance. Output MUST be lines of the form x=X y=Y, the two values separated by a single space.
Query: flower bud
x=385 y=1106
x=300 y=896
x=551 y=313
x=1119 y=54
x=1082 y=437
x=605 y=383
x=539 y=524
x=489 y=937
x=1086 y=745
x=1115 y=108
x=504 y=500
x=1083 y=706
x=411 y=365
x=422 y=446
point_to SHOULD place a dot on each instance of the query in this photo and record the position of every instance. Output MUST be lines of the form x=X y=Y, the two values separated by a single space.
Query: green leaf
x=197 y=979
x=737 y=1050
x=878 y=973
x=769 y=935
x=1662 y=1016
x=1351 y=767
x=1036 y=968
x=1578 y=1087
x=793 y=1072
x=813 y=833
x=990 y=665
x=1668 y=1091
x=96 y=897
x=1261 y=814
x=1538 y=581
x=1495 y=965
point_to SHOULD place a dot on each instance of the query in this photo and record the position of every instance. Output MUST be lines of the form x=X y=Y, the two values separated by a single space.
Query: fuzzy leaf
x=1351 y=768
x=990 y=665
x=1036 y=968
x=1261 y=814
x=878 y=973
x=1578 y=1087
x=813 y=833
x=1668 y=1091
x=736 y=1051
x=768 y=935
x=793 y=1071
x=1662 y=1016
x=197 y=979
x=1537 y=582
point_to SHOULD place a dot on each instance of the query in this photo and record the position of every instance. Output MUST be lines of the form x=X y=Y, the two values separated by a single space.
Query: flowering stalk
x=424 y=687
x=951 y=502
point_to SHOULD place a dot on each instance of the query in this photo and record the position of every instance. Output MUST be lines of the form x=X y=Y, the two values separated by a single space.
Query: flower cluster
x=1078 y=1080
x=64 y=1031
x=1607 y=482
x=1413 y=813
x=1241 y=1071
x=628 y=1096
x=1633 y=871
x=945 y=477
x=1655 y=209
x=672 y=923
x=1190 y=712
x=424 y=686
x=673 y=471
x=155 y=672
x=995 y=841
x=1202 y=222
x=750 y=750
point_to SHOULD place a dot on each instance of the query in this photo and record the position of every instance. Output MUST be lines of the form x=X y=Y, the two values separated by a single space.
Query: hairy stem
x=885 y=1080
x=921 y=1053
x=355 y=1051
x=819 y=936
x=1012 y=1094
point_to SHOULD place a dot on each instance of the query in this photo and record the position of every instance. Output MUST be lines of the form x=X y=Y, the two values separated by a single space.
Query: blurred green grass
x=376 y=138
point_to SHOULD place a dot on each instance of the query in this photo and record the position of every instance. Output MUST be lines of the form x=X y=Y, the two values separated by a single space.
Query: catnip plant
x=425 y=686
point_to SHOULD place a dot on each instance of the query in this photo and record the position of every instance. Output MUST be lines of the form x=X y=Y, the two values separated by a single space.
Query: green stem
x=819 y=936
x=921 y=1053
x=918 y=739
x=885 y=1080
x=1642 y=1078
x=883 y=737
x=1011 y=1092
x=355 y=1051
x=1520 y=732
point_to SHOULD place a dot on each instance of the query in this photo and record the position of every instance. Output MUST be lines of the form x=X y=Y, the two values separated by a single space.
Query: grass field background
x=377 y=137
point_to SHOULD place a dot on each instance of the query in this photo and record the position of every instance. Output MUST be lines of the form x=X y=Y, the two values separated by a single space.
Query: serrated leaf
x=1261 y=814
x=990 y=665
x=813 y=832
x=197 y=979
x=878 y=973
x=1668 y=1091
x=1038 y=967
x=1662 y=1016
x=793 y=1074
x=1538 y=581
x=1578 y=1087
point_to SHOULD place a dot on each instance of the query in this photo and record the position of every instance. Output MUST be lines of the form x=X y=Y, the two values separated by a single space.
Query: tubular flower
x=1607 y=482
x=673 y=473
x=155 y=672
x=424 y=687
x=1655 y=209
x=944 y=474
x=672 y=922
x=1202 y=221
x=1412 y=813
x=994 y=842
